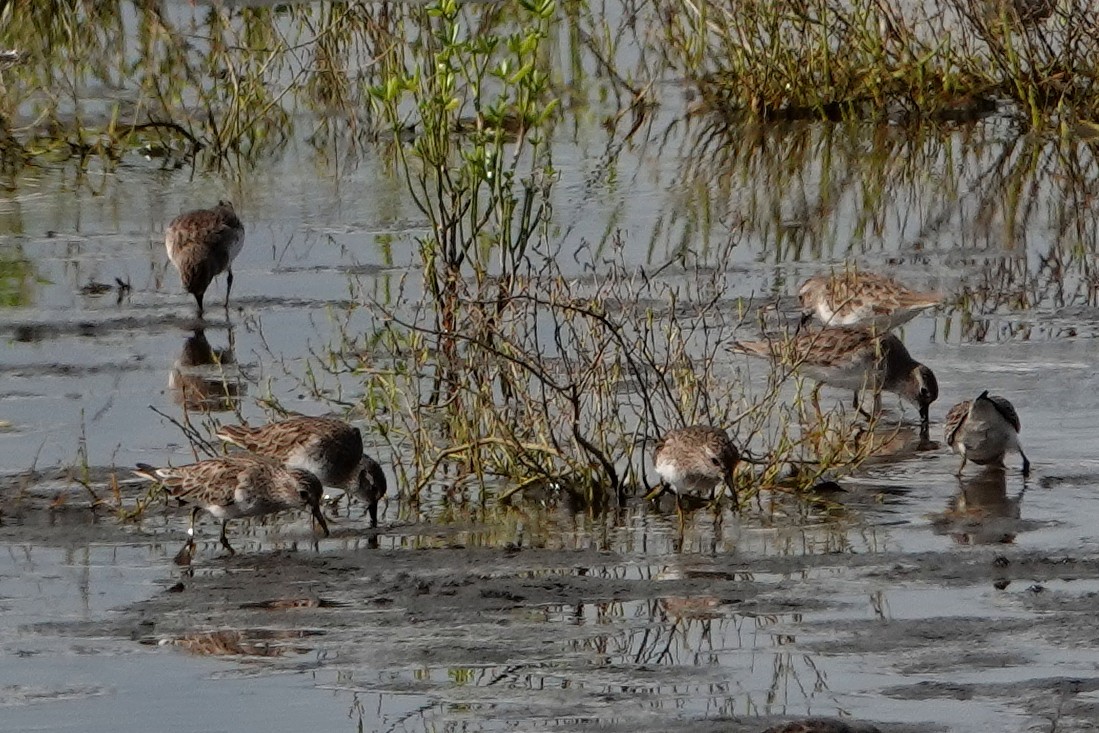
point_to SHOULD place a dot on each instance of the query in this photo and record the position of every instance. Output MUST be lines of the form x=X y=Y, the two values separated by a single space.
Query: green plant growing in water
x=478 y=166
x=508 y=368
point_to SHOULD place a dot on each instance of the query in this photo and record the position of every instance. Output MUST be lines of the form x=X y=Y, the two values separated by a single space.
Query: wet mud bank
x=495 y=635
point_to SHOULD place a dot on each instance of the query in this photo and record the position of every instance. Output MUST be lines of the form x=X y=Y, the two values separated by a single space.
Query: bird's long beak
x=925 y=421
x=319 y=517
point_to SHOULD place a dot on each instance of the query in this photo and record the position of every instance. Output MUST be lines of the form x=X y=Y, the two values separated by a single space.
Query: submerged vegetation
x=513 y=355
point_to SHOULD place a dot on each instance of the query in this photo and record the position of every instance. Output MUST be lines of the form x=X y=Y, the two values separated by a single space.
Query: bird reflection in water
x=206 y=379
x=982 y=513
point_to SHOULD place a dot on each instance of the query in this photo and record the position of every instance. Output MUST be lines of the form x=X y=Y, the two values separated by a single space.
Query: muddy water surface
x=916 y=600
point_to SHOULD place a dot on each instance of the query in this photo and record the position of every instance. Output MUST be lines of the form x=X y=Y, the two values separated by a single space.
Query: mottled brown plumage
x=202 y=244
x=854 y=358
x=1022 y=12
x=862 y=298
x=241 y=485
x=326 y=446
x=694 y=460
x=984 y=430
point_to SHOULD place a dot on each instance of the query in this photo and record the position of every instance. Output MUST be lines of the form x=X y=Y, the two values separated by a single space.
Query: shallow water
x=888 y=610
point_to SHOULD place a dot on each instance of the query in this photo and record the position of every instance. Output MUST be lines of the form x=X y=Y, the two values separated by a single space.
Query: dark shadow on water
x=981 y=512
x=206 y=379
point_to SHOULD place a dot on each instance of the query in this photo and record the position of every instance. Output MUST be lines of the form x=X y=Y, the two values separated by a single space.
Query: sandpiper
x=862 y=298
x=984 y=430
x=202 y=244
x=694 y=460
x=326 y=446
x=1024 y=12
x=855 y=358
x=240 y=485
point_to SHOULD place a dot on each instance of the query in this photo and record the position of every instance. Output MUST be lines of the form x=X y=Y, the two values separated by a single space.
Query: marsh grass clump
x=494 y=366
x=859 y=59
x=218 y=86
x=562 y=385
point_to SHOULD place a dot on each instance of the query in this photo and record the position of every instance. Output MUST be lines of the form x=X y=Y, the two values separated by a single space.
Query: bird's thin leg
x=372 y=510
x=815 y=399
x=183 y=557
x=198 y=299
x=858 y=407
x=1026 y=463
x=228 y=287
x=224 y=539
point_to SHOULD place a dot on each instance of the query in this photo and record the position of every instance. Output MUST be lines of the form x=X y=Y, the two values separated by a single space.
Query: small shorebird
x=1022 y=12
x=694 y=460
x=236 y=486
x=983 y=430
x=823 y=725
x=10 y=57
x=862 y=298
x=326 y=446
x=202 y=244
x=855 y=358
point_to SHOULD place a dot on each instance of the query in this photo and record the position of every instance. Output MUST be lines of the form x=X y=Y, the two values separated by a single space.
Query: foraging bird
x=1022 y=13
x=984 y=430
x=862 y=298
x=202 y=244
x=236 y=486
x=326 y=446
x=854 y=358
x=694 y=460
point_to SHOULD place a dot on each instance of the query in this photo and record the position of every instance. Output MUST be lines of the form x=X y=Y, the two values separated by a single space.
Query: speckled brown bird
x=694 y=460
x=855 y=358
x=1024 y=12
x=861 y=298
x=202 y=244
x=236 y=486
x=984 y=430
x=326 y=446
